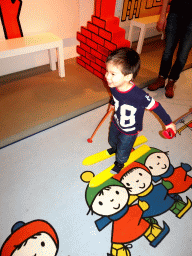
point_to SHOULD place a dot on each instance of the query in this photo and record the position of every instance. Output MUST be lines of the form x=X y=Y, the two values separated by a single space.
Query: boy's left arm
x=160 y=111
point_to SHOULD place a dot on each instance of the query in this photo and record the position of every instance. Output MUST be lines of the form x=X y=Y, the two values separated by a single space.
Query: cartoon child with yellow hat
x=110 y=200
x=37 y=237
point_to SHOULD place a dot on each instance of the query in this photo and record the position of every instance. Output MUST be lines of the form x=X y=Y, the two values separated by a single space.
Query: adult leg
x=171 y=41
x=172 y=38
x=185 y=45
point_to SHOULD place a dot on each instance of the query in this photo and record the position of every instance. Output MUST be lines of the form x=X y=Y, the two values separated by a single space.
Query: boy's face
x=38 y=245
x=157 y=163
x=111 y=201
x=115 y=77
x=137 y=181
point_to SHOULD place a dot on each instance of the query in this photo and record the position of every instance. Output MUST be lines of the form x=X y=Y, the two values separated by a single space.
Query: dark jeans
x=178 y=29
x=121 y=143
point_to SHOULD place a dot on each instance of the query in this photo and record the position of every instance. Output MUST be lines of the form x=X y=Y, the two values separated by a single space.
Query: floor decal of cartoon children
x=176 y=180
x=138 y=180
x=35 y=238
x=110 y=200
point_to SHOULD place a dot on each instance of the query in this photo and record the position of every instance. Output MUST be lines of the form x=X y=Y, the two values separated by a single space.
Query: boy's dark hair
x=127 y=59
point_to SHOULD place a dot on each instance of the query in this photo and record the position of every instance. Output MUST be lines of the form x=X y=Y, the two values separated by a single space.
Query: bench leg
x=60 y=55
x=52 y=59
x=130 y=33
x=141 y=39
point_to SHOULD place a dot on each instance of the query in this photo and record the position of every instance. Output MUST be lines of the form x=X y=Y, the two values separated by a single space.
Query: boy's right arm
x=111 y=104
x=111 y=107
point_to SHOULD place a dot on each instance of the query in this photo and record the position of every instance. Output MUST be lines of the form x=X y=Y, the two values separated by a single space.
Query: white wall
x=37 y=16
x=63 y=18
x=86 y=10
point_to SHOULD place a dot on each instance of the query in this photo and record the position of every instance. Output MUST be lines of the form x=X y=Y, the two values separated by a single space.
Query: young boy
x=129 y=102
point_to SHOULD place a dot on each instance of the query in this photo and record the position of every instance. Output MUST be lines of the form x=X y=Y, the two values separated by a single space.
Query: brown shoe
x=159 y=83
x=169 y=89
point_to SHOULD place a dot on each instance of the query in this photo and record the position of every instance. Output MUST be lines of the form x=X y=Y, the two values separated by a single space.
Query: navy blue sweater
x=130 y=107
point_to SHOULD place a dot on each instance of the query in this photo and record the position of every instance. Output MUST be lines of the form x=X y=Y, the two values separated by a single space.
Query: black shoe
x=111 y=151
x=117 y=168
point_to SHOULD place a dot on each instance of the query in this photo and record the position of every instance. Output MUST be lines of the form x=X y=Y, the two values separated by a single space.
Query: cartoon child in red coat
x=176 y=180
x=110 y=200
x=35 y=238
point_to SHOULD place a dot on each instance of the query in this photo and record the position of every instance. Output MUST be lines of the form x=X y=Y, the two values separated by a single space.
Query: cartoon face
x=39 y=245
x=110 y=201
x=137 y=180
x=157 y=163
x=114 y=76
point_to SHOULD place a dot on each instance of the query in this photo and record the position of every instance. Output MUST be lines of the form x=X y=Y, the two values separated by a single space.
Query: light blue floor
x=40 y=179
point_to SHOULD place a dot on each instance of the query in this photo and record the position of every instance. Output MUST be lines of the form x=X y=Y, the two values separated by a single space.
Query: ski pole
x=169 y=133
x=90 y=140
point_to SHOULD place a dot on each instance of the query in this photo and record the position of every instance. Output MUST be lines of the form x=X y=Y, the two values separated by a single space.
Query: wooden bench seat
x=30 y=44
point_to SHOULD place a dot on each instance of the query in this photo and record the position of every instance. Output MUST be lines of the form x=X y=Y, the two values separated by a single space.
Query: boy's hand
x=111 y=107
x=172 y=126
x=170 y=131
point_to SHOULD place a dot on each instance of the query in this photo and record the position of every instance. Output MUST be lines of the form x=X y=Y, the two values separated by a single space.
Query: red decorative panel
x=85 y=47
x=85 y=60
x=101 y=63
x=141 y=8
x=92 y=44
x=10 y=12
x=81 y=38
x=103 y=50
x=96 y=54
x=93 y=28
x=101 y=36
x=79 y=61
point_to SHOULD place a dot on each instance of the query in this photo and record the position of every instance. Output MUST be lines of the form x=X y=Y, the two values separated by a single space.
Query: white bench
x=143 y=24
x=29 y=44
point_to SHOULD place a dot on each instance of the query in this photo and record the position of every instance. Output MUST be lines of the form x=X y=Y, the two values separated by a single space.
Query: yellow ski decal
x=98 y=157
x=106 y=174
x=103 y=155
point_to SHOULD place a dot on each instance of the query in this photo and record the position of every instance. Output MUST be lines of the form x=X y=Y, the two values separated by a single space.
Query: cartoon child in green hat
x=176 y=180
x=110 y=200
x=35 y=238
x=138 y=180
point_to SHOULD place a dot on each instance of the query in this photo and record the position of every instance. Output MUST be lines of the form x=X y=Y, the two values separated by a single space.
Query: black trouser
x=178 y=29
